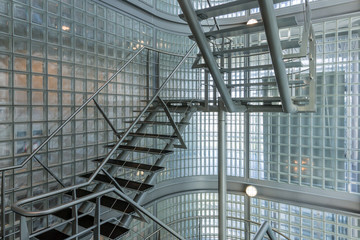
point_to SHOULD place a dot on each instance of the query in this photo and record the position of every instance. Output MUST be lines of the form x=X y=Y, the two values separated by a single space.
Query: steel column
x=272 y=35
x=3 y=218
x=206 y=52
x=222 y=186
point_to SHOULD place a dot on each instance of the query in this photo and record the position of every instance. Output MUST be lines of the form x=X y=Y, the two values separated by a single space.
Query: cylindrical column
x=272 y=35
x=222 y=173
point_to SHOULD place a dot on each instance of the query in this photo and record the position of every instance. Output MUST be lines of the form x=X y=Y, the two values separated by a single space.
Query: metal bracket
x=173 y=124
x=264 y=229
x=107 y=119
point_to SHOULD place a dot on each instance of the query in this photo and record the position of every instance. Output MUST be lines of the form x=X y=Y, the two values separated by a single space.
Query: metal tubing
x=222 y=186
x=17 y=209
x=106 y=118
x=205 y=49
x=75 y=113
x=3 y=219
x=261 y=231
x=97 y=219
x=272 y=35
x=49 y=194
x=50 y=172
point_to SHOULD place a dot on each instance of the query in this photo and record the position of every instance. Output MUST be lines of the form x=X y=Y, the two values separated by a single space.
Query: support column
x=222 y=186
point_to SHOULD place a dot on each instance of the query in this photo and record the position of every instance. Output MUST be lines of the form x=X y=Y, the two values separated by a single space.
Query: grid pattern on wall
x=320 y=149
x=53 y=56
x=293 y=221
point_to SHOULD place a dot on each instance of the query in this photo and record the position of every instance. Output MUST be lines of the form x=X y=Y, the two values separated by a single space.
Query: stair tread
x=262 y=67
x=268 y=99
x=149 y=135
x=52 y=234
x=258 y=48
x=107 y=201
x=134 y=165
x=141 y=149
x=106 y=229
x=244 y=29
x=227 y=8
x=158 y=123
x=122 y=182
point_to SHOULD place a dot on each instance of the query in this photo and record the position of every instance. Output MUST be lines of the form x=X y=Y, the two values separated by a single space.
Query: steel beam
x=205 y=49
x=272 y=36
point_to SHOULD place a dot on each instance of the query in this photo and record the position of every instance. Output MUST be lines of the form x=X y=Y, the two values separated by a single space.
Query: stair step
x=106 y=229
x=141 y=149
x=149 y=135
x=227 y=8
x=134 y=165
x=257 y=48
x=270 y=83
x=106 y=201
x=245 y=29
x=158 y=123
x=52 y=234
x=262 y=67
x=269 y=99
x=175 y=109
x=138 y=186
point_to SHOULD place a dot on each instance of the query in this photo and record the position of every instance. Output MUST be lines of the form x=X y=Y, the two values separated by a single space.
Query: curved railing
x=199 y=218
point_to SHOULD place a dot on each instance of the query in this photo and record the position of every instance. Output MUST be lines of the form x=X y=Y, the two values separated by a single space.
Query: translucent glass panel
x=195 y=215
x=304 y=223
x=319 y=149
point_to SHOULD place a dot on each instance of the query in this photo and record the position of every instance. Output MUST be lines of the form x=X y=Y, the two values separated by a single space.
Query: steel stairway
x=130 y=162
x=266 y=75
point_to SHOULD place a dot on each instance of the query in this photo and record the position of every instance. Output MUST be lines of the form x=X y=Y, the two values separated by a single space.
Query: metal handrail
x=99 y=168
x=229 y=218
x=23 y=212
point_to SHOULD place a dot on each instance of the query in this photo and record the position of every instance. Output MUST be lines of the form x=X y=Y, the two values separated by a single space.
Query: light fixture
x=65 y=28
x=252 y=21
x=251 y=191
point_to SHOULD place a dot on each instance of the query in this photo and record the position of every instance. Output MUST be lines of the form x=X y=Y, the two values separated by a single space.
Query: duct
x=272 y=35
x=205 y=49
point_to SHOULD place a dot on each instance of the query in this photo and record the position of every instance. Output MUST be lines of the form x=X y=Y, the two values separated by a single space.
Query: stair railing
x=112 y=151
x=97 y=223
x=264 y=227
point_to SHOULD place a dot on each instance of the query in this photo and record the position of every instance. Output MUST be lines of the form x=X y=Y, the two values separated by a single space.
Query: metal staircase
x=108 y=198
x=258 y=76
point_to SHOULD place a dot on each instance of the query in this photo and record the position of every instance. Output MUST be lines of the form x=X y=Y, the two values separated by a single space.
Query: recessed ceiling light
x=251 y=191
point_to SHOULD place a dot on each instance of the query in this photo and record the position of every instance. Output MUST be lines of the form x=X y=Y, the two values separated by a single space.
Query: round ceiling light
x=252 y=21
x=251 y=191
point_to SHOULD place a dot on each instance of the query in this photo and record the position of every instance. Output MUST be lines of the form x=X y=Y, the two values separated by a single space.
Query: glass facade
x=54 y=54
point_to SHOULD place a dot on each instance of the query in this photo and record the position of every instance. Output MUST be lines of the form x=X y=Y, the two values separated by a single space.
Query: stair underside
x=133 y=165
x=132 y=185
x=269 y=99
x=255 y=49
x=227 y=8
x=157 y=123
x=262 y=67
x=141 y=149
x=245 y=29
x=106 y=201
x=52 y=234
x=148 y=135
x=106 y=229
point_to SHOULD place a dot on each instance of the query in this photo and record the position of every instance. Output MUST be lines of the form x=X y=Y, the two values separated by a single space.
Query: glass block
x=21 y=29
x=38 y=66
x=53 y=7
x=21 y=97
x=38 y=33
x=38 y=114
x=20 y=12
x=5 y=25
x=21 y=114
x=37 y=18
x=5 y=43
x=20 y=80
x=5 y=61
x=53 y=68
x=21 y=64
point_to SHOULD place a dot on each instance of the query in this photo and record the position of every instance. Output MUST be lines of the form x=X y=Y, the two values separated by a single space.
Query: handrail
x=17 y=209
x=201 y=217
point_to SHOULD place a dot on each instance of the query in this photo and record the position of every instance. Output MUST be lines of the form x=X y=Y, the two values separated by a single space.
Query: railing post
x=3 y=232
x=97 y=219
x=24 y=232
x=75 y=223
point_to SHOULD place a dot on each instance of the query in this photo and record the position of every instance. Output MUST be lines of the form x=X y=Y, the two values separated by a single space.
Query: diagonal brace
x=173 y=124
x=106 y=118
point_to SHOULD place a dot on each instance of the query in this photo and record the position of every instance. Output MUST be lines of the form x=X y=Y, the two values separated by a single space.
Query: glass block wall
x=195 y=214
